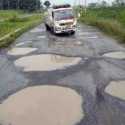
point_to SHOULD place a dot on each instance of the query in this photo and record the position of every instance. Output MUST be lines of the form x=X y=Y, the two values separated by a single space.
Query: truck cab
x=61 y=19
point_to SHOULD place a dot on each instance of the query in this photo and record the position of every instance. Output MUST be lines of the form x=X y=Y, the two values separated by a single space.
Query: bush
x=15 y=18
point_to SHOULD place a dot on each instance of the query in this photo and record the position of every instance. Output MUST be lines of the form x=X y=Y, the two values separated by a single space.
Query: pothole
x=79 y=43
x=42 y=105
x=21 y=51
x=41 y=37
x=20 y=44
x=37 y=30
x=92 y=37
x=85 y=33
x=46 y=62
x=69 y=44
x=116 y=89
x=23 y=43
x=117 y=55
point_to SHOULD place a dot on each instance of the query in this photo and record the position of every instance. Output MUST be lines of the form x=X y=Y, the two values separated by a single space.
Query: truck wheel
x=53 y=31
x=73 y=32
x=47 y=27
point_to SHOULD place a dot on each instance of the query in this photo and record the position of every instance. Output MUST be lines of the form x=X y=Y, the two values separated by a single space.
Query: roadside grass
x=6 y=14
x=109 y=20
x=15 y=25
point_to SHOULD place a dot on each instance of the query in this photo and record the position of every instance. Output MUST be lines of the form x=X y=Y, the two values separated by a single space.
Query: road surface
x=89 y=77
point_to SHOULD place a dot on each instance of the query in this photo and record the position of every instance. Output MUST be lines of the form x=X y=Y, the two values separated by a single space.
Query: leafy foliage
x=47 y=4
x=29 y=5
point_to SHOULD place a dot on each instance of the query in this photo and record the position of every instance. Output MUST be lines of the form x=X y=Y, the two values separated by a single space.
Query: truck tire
x=73 y=32
x=53 y=31
x=47 y=27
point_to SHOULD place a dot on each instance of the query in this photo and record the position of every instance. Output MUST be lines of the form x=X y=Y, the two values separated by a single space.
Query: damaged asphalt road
x=89 y=77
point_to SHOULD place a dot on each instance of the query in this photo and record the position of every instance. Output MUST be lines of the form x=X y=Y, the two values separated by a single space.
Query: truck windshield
x=63 y=14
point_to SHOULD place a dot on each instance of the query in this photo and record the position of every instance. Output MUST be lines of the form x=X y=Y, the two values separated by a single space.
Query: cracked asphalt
x=89 y=78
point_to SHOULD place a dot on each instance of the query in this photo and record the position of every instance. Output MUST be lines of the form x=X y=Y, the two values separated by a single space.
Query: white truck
x=61 y=19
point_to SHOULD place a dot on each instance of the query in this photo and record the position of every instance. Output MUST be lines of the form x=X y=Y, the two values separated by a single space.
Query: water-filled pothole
x=85 y=33
x=36 y=30
x=91 y=37
x=41 y=37
x=78 y=43
x=23 y=43
x=117 y=55
x=116 y=89
x=46 y=62
x=20 y=44
x=21 y=51
x=42 y=105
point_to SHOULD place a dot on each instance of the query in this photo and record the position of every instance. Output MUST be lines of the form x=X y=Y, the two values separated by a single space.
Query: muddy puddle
x=36 y=30
x=85 y=33
x=21 y=51
x=46 y=62
x=42 y=105
x=117 y=55
x=116 y=89
x=91 y=37
x=41 y=37
x=22 y=43
x=79 y=43
x=69 y=44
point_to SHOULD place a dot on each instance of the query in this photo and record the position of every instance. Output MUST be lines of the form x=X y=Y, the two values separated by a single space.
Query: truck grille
x=66 y=24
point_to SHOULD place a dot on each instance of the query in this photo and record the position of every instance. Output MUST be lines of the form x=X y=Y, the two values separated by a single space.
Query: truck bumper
x=65 y=30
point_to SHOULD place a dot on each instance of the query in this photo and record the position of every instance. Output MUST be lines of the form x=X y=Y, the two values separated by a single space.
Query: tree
x=103 y=4
x=1 y=4
x=12 y=4
x=92 y=5
x=28 y=5
x=47 y=4
x=118 y=3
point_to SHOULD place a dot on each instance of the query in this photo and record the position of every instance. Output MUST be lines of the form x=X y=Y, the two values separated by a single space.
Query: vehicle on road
x=61 y=19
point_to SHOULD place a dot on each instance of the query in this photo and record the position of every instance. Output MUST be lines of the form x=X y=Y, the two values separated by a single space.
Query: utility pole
x=85 y=6
x=75 y=4
x=80 y=4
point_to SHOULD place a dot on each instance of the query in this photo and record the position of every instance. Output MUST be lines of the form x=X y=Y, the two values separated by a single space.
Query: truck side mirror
x=52 y=15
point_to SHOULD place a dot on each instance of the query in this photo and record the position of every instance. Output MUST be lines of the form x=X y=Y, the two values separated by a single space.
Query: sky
x=75 y=1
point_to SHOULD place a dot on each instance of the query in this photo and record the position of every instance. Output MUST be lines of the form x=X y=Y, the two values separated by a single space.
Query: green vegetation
x=5 y=14
x=16 y=18
x=111 y=20
x=26 y=5
x=15 y=24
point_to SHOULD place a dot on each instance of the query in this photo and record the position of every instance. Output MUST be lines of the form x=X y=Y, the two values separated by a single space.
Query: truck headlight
x=75 y=22
x=57 y=25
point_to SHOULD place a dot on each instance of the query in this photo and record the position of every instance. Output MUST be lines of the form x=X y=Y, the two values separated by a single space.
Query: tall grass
x=6 y=14
x=110 y=20
x=15 y=25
